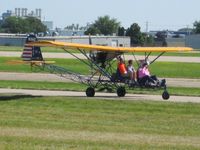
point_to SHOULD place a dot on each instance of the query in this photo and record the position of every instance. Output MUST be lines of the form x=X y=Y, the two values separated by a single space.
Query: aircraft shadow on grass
x=16 y=97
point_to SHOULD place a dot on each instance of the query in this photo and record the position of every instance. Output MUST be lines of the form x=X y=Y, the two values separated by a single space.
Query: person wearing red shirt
x=122 y=67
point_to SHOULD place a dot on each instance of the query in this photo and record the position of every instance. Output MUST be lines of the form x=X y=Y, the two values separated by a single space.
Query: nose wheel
x=121 y=91
x=165 y=95
x=90 y=92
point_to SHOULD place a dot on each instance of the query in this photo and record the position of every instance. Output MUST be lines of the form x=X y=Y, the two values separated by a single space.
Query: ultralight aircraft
x=100 y=59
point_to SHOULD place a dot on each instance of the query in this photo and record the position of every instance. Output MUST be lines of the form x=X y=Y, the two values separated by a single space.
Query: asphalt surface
x=104 y=96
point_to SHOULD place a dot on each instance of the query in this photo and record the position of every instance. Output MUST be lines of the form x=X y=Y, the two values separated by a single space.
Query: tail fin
x=31 y=52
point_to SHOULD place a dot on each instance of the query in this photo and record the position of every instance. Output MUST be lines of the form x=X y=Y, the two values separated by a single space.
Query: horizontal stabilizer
x=15 y=62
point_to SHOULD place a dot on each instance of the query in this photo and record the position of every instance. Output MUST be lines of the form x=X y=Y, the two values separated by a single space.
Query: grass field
x=72 y=123
x=28 y=122
x=161 y=69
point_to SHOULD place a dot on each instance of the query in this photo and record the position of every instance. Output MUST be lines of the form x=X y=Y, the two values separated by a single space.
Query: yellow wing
x=66 y=45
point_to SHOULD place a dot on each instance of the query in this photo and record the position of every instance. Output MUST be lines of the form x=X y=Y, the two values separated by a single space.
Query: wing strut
x=157 y=57
x=136 y=59
x=146 y=57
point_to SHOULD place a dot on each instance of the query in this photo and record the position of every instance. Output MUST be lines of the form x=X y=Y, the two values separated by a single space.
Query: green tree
x=12 y=25
x=92 y=31
x=19 y=25
x=104 y=25
x=196 y=27
x=136 y=35
x=35 y=25
x=121 y=31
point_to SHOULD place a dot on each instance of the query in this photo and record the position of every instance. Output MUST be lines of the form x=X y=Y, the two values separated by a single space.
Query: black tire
x=121 y=91
x=165 y=95
x=90 y=92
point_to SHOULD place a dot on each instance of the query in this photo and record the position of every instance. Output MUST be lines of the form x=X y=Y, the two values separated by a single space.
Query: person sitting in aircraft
x=122 y=67
x=131 y=71
x=144 y=77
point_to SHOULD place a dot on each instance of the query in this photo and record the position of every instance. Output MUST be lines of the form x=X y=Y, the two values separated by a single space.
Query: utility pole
x=147 y=26
x=188 y=32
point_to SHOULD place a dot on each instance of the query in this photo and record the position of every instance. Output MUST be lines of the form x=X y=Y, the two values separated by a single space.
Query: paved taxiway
x=98 y=95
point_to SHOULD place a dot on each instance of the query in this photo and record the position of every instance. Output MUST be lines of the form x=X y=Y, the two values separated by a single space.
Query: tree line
x=22 y=25
x=108 y=26
x=104 y=25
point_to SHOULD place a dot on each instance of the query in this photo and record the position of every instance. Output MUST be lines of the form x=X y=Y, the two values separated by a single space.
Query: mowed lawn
x=161 y=69
x=79 y=123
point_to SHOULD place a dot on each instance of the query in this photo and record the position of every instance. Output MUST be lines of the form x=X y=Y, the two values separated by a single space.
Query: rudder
x=31 y=52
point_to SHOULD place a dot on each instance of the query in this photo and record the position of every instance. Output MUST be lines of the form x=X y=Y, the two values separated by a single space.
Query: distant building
x=193 y=41
x=23 y=12
x=49 y=24
x=19 y=40
x=170 y=34
x=71 y=33
x=7 y=14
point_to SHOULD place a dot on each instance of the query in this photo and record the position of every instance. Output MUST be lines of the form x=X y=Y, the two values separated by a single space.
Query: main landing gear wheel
x=165 y=95
x=121 y=91
x=90 y=92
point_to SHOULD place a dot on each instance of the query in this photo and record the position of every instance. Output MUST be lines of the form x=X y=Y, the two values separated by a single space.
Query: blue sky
x=160 y=14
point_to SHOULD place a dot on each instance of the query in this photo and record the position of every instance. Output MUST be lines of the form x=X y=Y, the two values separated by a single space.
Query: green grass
x=161 y=69
x=175 y=69
x=78 y=123
x=184 y=54
x=81 y=87
x=71 y=64
x=7 y=67
x=43 y=85
x=11 y=48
